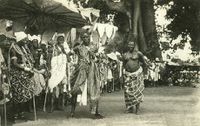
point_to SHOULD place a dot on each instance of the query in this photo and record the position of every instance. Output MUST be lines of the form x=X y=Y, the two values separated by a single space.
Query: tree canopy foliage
x=185 y=20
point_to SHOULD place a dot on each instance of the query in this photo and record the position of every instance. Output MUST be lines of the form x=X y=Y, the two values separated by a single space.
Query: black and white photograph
x=99 y=62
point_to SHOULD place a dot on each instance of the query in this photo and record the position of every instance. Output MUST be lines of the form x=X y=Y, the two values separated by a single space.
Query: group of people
x=155 y=72
x=43 y=72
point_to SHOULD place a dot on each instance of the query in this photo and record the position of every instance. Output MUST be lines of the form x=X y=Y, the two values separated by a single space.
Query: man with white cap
x=58 y=59
x=20 y=67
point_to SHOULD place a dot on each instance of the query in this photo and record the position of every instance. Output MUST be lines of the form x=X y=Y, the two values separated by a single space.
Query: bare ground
x=163 y=106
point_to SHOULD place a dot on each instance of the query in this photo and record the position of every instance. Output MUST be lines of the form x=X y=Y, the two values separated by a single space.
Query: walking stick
x=5 y=113
x=46 y=92
x=113 y=84
x=34 y=108
x=69 y=73
x=45 y=101
x=4 y=98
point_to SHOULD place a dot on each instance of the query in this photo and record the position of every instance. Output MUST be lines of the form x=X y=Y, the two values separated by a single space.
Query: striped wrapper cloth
x=133 y=88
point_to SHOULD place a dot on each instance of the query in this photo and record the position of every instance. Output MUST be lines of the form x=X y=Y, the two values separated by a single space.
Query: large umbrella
x=37 y=19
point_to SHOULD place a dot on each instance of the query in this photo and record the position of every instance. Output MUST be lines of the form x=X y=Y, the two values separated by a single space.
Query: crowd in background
x=43 y=73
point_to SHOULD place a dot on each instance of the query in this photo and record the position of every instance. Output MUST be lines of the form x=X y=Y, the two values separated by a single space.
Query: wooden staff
x=69 y=73
x=113 y=79
x=46 y=92
x=34 y=108
x=4 y=104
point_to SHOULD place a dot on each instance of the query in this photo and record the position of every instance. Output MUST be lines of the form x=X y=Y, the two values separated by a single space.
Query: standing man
x=133 y=76
x=85 y=80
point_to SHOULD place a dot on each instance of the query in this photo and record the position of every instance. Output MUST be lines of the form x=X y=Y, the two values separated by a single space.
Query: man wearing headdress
x=85 y=79
x=20 y=69
x=133 y=60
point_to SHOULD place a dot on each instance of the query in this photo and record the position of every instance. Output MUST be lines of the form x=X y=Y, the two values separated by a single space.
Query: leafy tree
x=185 y=16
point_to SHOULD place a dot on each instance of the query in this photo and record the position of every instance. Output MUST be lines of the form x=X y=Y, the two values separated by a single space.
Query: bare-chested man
x=133 y=76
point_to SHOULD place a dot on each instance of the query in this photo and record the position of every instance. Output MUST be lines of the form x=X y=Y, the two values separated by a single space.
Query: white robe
x=58 y=71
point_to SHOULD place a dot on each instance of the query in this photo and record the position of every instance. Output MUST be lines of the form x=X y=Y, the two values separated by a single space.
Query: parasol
x=37 y=19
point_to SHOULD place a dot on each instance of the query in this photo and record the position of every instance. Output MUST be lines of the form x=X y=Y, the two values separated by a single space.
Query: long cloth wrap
x=22 y=84
x=134 y=86
x=85 y=81
x=58 y=70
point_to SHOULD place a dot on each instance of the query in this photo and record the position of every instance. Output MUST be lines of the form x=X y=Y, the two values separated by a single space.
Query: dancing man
x=85 y=80
x=133 y=77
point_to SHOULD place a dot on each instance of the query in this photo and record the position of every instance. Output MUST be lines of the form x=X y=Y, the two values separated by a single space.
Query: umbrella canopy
x=37 y=19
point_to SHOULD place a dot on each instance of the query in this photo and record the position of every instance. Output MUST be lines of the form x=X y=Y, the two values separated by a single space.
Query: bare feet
x=98 y=116
x=137 y=108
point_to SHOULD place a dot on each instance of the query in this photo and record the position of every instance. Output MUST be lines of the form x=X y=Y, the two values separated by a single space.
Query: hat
x=157 y=59
x=37 y=37
x=20 y=35
x=112 y=56
x=60 y=34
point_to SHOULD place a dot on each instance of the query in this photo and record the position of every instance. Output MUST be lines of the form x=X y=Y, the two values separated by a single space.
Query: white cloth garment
x=58 y=71
x=109 y=30
x=120 y=68
x=101 y=29
x=39 y=83
x=82 y=98
x=104 y=39
x=73 y=35
x=1 y=59
x=66 y=47
x=1 y=56
x=86 y=12
x=115 y=29
x=110 y=76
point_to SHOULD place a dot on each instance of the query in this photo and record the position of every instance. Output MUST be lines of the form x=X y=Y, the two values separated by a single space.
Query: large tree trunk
x=142 y=24
x=149 y=25
x=196 y=40
x=135 y=16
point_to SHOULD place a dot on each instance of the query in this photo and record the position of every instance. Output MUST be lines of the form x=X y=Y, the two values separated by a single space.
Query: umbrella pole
x=69 y=73
x=34 y=108
x=5 y=113
x=46 y=91
x=45 y=101
x=45 y=97
x=113 y=82
x=4 y=106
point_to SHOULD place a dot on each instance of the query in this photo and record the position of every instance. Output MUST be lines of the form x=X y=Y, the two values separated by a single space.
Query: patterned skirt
x=133 y=88
x=22 y=85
